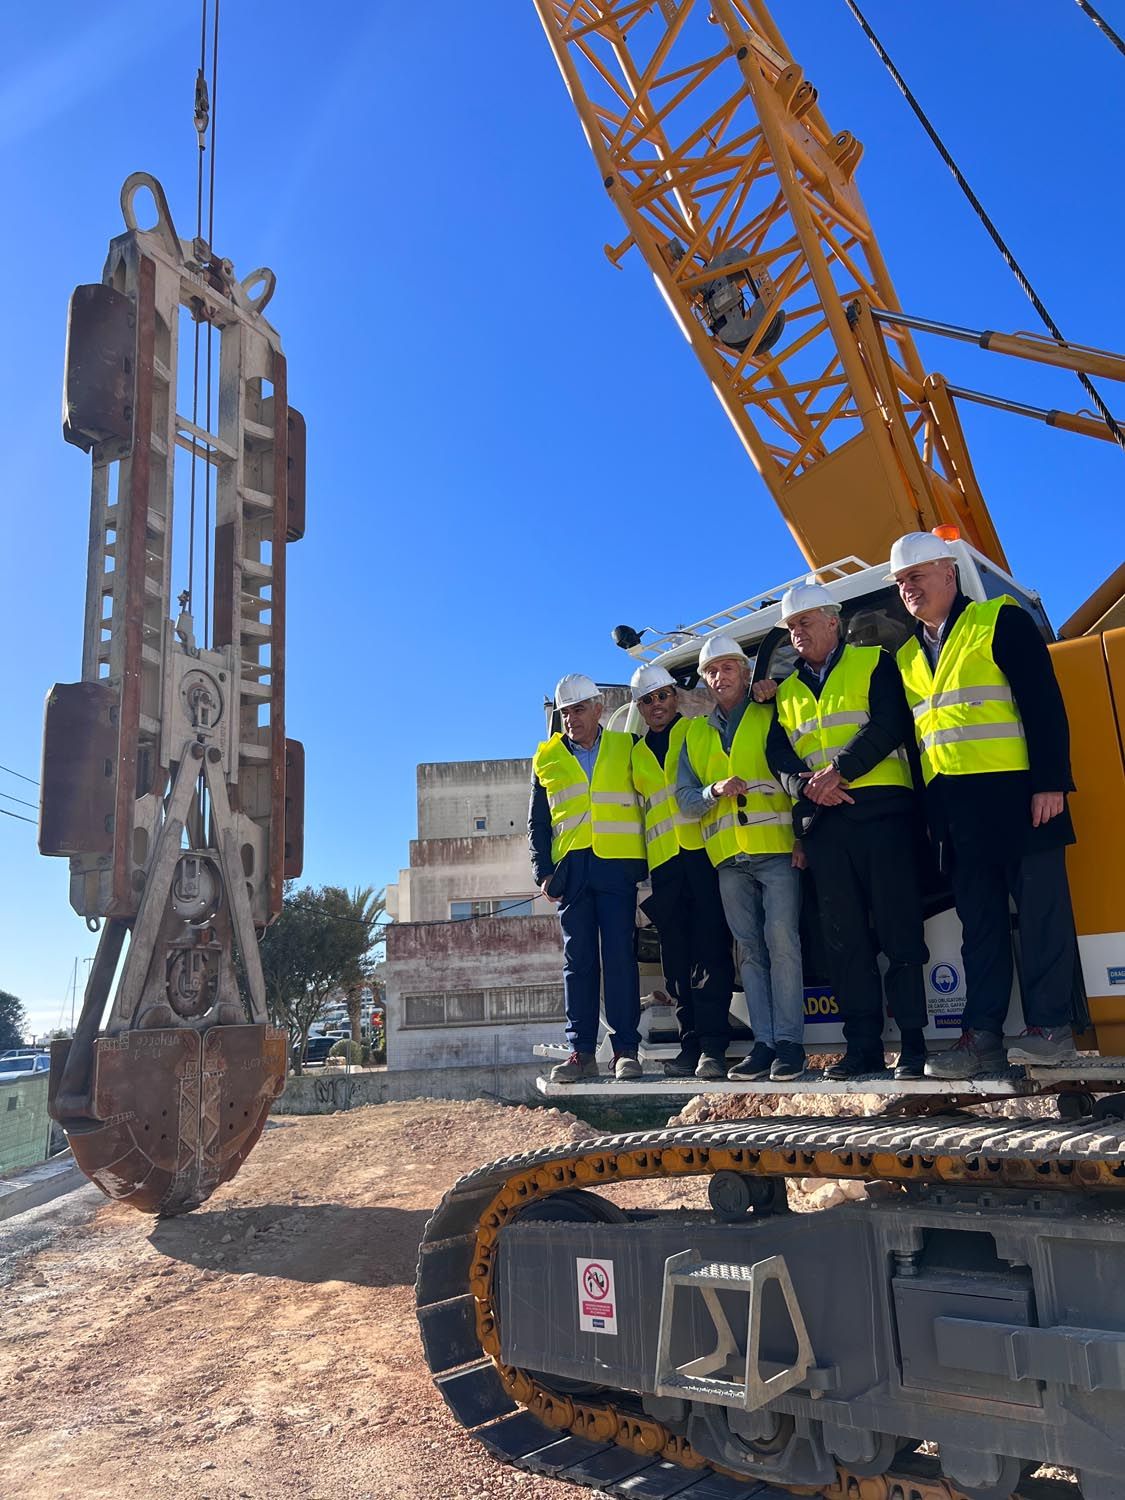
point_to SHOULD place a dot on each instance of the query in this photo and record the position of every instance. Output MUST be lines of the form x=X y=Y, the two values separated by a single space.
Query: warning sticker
x=597 y=1298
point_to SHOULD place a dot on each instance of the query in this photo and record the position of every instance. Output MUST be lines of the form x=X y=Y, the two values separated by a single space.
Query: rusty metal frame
x=168 y=1099
x=130 y=644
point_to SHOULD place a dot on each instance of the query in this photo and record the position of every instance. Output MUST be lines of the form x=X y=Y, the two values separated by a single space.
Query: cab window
x=994 y=585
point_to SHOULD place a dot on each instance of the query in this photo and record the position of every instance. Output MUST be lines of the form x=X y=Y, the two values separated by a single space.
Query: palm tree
x=365 y=907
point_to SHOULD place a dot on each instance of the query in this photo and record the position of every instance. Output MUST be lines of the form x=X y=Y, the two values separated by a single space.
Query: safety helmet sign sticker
x=597 y=1298
x=945 y=979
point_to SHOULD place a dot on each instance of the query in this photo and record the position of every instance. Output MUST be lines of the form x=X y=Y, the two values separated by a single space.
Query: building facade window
x=506 y=1005
x=480 y=824
x=492 y=906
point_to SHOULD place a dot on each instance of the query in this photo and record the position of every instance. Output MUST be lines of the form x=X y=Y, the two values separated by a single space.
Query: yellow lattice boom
x=743 y=203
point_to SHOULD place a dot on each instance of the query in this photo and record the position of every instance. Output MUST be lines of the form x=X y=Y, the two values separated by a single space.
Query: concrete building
x=474 y=952
x=474 y=957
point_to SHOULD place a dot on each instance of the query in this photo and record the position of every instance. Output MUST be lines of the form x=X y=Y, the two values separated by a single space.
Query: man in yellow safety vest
x=994 y=744
x=746 y=819
x=836 y=746
x=586 y=834
x=685 y=908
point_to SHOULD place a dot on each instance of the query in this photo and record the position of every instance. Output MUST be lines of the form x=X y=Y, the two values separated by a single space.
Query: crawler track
x=614 y=1446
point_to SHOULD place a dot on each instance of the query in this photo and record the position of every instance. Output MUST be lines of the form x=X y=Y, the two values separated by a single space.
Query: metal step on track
x=471 y=1384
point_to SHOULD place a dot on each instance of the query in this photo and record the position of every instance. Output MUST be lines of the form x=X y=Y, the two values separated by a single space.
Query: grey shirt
x=693 y=797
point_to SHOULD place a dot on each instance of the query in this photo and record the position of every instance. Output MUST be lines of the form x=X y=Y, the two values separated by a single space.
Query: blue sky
x=473 y=370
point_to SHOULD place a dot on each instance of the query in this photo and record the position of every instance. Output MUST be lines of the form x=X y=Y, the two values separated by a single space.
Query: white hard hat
x=648 y=679
x=715 y=647
x=804 y=596
x=574 y=688
x=915 y=548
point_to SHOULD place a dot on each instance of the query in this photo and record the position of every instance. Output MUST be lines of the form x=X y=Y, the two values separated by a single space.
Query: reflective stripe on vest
x=667 y=831
x=819 y=729
x=604 y=815
x=764 y=824
x=965 y=718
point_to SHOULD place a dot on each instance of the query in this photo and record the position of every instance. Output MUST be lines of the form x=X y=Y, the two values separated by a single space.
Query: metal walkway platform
x=1099 y=1073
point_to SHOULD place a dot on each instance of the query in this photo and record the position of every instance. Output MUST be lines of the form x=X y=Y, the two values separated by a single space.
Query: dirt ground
x=266 y=1345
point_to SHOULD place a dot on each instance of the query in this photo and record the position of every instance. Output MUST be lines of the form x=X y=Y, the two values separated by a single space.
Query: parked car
x=317 y=1049
x=23 y=1065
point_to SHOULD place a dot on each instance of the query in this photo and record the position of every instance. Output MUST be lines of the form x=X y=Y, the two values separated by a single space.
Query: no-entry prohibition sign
x=597 y=1300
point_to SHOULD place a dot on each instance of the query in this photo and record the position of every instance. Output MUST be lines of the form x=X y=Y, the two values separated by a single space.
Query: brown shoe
x=579 y=1065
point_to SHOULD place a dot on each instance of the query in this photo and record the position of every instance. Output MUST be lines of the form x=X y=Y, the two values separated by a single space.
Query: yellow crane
x=977 y=1307
x=742 y=200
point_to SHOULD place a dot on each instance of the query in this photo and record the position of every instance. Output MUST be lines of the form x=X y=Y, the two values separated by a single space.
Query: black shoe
x=789 y=1062
x=683 y=1065
x=756 y=1065
x=912 y=1057
x=856 y=1064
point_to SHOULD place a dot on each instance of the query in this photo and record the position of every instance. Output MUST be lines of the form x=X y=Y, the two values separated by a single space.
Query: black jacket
x=889 y=726
x=993 y=809
x=579 y=868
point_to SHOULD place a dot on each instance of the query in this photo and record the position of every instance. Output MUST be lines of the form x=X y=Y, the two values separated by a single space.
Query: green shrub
x=351 y=1052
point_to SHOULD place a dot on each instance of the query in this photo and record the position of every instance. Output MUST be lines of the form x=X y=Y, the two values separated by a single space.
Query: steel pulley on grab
x=167 y=781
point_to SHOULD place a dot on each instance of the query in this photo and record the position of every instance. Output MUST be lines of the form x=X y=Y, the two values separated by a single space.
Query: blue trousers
x=599 y=951
x=762 y=901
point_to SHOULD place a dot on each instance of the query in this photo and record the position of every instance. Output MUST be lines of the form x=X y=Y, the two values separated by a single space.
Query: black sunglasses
x=740 y=802
x=658 y=696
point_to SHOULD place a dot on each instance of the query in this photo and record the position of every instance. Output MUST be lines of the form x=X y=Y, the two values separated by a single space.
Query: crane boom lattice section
x=742 y=201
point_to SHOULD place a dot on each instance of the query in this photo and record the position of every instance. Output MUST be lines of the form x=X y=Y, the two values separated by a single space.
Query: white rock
x=827 y=1196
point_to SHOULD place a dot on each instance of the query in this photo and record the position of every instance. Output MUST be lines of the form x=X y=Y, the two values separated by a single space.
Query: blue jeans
x=762 y=902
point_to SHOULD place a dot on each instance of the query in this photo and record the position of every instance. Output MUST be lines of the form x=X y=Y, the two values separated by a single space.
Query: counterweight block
x=172 y=1113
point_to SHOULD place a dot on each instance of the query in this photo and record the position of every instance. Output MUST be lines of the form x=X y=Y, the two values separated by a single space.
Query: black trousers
x=695 y=950
x=866 y=876
x=1048 y=945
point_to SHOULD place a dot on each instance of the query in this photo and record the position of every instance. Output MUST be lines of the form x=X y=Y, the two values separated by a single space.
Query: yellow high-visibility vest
x=818 y=728
x=763 y=823
x=604 y=813
x=965 y=717
x=667 y=831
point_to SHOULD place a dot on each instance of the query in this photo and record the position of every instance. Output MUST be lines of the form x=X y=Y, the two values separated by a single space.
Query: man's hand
x=543 y=887
x=827 y=788
x=764 y=691
x=733 y=786
x=800 y=860
x=1045 y=806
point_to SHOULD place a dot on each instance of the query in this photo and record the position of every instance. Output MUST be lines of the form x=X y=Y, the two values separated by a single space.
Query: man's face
x=580 y=720
x=658 y=708
x=814 y=633
x=928 y=591
x=727 y=678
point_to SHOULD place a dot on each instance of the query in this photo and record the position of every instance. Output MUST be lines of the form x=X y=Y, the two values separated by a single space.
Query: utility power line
x=20 y=774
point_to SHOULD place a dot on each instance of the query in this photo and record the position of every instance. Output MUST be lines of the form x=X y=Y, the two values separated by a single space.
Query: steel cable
x=1102 y=24
x=997 y=239
x=210 y=239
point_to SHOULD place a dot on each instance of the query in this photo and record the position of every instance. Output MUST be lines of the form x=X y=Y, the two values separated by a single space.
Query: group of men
x=721 y=814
